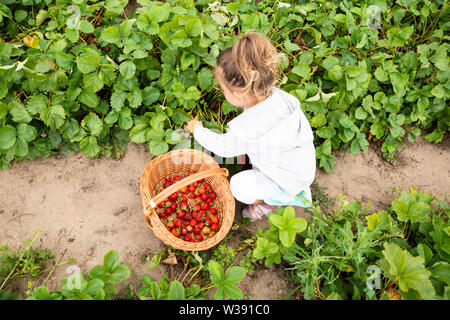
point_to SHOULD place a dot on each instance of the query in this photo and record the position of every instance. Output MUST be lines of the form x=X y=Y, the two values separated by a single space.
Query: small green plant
x=226 y=280
x=284 y=227
x=165 y=289
x=27 y=261
x=99 y=284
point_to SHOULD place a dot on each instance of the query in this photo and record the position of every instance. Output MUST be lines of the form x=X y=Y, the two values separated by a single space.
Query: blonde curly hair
x=251 y=65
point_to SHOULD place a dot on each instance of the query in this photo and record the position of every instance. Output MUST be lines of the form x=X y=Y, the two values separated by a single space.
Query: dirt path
x=92 y=206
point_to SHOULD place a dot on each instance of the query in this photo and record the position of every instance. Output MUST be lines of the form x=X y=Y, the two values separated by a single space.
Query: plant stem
x=34 y=237
x=201 y=267
x=53 y=269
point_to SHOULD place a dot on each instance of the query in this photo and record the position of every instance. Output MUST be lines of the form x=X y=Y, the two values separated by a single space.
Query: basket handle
x=180 y=184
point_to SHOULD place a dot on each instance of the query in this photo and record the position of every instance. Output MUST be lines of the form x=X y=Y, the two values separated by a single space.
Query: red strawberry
x=166 y=184
x=170 y=225
x=201 y=225
x=191 y=188
x=209 y=200
x=197 y=230
x=213 y=210
x=202 y=190
x=188 y=216
x=184 y=198
x=199 y=199
x=205 y=206
x=205 y=197
x=213 y=195
x=184 y=206
x=184 y=231
x=174 y=206
x=173 y=196
x=199 y=238
x=189 y=228
x=168 y=211
x=206 y=185
x=215 y=219
x=206 y=231
x=214 y=226
x=168 y=179
x=186 y=223
x=187 y=238
x=193 y=223
x=180 y=214
x=191 y=195
x=175 y=232
x=178 y=224
x=184 y=189
x=198 y=207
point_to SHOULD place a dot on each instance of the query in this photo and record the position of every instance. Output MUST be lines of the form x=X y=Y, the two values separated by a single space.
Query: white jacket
x=277 y=138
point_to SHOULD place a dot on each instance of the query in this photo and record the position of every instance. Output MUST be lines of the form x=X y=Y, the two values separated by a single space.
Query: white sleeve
x=224 y=145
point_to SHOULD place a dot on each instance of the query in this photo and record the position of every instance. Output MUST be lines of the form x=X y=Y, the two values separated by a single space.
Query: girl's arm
x=224 y=145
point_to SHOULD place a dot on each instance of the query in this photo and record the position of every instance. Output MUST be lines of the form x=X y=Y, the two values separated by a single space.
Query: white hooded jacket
x=277 y=138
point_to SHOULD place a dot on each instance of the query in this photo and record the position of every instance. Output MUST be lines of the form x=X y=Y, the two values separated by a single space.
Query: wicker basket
x=184 y=161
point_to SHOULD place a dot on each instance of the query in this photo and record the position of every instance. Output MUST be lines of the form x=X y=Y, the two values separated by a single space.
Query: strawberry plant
x=99 y=285
x=81 y=75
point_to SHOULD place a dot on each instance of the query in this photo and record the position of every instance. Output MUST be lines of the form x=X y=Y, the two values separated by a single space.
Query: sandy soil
x=92 y=206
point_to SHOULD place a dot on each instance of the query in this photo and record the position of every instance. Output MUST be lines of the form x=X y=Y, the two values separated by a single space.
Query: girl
x=272 y=130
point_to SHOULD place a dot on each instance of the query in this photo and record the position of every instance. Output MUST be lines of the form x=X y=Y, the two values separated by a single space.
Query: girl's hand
x=194 y=123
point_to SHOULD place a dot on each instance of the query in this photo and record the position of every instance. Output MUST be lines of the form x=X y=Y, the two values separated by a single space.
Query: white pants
x=248 y=186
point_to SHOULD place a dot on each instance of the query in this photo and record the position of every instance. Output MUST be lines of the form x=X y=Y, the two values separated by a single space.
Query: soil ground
x=92 y=206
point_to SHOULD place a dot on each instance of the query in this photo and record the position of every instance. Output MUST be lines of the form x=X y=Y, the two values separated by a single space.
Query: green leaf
x=127 y=69
x=179 y=117
x=110 y=261
x=53 y=116
x=289 y=46
x=216 y=271
x=158 y=147
x=187 y=59
x=335 y=73
x=194 y=27
x=89 y=146
x=26 y=132
x=88 y=63
x=326 y=132
x=93 y=287
x=232 y=291
x=86 y=26
x=418 y=212
x=410 y=271
x=234 y=274
x=176 y=291
x=205 y=78
x=318 y=121
x=436 y=136
x=36 y=103
x=110 y=34
x=88 y=97
x=302 y=70
x=401 y=209
x=120 y=273
x=150 y=95
x=125 y=119
x=19 y=113
x=92 y=82
x=93 y=124
x=7 y=137
x=180 y=39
